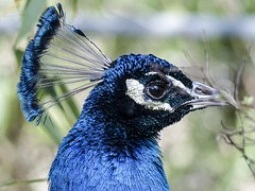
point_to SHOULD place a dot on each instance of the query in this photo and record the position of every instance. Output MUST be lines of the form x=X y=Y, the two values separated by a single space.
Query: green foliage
x=30 y=15
x=194 y=157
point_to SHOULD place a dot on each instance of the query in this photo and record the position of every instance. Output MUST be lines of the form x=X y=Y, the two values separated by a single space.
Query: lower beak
x=205 y=96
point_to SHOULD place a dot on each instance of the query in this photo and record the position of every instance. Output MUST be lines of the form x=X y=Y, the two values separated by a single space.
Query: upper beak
x=205 y=96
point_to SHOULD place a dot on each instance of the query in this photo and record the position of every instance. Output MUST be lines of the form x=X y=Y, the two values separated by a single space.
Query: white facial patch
x=135 y=90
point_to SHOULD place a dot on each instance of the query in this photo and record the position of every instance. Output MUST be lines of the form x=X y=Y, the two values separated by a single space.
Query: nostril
x=200 y=89
x=204 y=91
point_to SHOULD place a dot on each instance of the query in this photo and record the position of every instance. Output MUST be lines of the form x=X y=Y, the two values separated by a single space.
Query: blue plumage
x=27 y=89
x=110 y=150
x=113 y=145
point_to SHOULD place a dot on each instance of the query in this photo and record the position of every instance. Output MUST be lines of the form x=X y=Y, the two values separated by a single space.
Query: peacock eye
x=156 y=90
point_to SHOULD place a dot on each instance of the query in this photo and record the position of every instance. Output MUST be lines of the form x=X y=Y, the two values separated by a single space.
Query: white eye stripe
x=151 y=73
x=174 y=81
x=135 y=90
x=179 y=84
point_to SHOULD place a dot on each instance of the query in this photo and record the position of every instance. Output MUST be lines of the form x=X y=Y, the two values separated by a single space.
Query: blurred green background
x=195 y=157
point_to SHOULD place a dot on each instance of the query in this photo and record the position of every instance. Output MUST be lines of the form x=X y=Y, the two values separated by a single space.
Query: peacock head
x=145 y=93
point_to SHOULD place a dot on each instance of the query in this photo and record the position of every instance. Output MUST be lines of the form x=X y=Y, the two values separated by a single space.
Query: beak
x=204 y=96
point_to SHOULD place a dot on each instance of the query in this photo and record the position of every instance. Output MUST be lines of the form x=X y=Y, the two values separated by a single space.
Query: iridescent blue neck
x=98 y=155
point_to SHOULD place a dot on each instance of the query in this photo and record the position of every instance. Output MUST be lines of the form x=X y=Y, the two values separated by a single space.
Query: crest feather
x=58 y=55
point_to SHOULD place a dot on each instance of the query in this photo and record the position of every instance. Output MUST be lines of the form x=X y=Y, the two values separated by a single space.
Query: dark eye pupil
x=156 y=91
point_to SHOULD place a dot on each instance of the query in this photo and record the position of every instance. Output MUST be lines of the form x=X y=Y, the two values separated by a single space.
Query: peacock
x=113 y=146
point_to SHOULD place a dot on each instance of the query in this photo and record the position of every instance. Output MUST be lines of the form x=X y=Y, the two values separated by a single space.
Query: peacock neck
x=100 y=153
x=114 y=161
